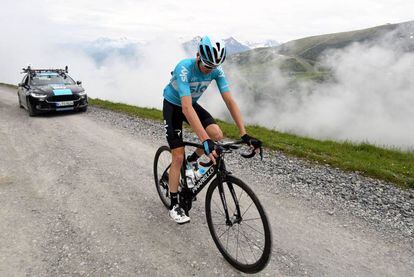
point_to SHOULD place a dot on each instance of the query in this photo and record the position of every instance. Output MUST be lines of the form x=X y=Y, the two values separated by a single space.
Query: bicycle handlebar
x=229 y=146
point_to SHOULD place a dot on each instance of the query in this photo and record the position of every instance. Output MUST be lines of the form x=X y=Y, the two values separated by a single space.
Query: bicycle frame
x=220 y=171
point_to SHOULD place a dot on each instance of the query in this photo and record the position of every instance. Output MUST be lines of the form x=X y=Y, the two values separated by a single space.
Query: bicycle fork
x=237 y=214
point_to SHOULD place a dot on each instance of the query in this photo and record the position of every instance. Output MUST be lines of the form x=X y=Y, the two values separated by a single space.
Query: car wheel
x=32 y=111
x=84 y=109
x=20 y=103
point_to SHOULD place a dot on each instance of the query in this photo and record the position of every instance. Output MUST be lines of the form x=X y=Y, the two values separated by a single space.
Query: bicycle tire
x=163 y=192
x=255 y=266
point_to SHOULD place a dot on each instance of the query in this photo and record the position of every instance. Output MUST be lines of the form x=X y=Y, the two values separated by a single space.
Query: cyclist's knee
x=214 y=132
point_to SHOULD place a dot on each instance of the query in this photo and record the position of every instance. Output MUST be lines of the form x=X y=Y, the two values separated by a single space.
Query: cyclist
x=190 y=79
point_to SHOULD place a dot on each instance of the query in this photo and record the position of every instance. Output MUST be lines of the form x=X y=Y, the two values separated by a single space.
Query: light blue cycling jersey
x=187 y=79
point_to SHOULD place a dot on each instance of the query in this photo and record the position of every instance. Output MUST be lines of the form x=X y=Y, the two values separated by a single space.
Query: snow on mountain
x=264 y=43
x=233 y=46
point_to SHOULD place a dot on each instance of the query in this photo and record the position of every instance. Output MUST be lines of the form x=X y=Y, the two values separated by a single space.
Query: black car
x=43 y=90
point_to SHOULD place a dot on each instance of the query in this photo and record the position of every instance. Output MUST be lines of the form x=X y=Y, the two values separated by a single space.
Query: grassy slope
x=300 y=57
x=8 y=85
x=389 y=165
x=310 y=48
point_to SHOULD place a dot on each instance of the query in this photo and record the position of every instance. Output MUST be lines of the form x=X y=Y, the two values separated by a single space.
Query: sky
x=244 y=20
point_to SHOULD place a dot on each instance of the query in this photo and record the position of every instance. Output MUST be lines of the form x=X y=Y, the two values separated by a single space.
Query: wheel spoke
x=240 y=196
x=218 y=207
x=251 y=219
x=253 y=228
x=247 y=208
x=237 y=248
x=251 y=240
x=224 y=232
x=227 y=243
x=241 y=249
x=247 y=240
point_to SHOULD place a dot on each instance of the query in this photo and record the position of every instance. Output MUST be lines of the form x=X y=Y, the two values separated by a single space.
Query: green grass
x=311 y=47
x=390 y=165
x=8 y=85
x=128 y=109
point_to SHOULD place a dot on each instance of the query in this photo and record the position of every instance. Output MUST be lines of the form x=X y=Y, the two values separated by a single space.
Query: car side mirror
x=79 y=83
x=20 y=85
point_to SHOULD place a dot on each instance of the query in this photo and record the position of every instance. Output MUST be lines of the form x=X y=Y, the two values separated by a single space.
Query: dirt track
x=77 y=198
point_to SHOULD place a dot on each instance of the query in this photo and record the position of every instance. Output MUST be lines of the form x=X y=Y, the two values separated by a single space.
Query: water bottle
x=202 y=168
x=189 y=175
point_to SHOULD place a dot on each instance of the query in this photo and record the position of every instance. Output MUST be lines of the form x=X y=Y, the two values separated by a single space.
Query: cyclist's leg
x=214 y=132
x=174 y=175
x=208 y=122
x=173 y=119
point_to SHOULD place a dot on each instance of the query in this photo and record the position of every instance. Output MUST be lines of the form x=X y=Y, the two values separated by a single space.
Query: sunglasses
x=207 y=66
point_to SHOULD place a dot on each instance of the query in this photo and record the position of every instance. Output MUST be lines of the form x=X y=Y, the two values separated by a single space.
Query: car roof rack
x=32 y=71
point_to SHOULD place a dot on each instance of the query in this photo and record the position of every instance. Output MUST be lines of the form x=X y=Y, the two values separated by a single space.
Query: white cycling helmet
x=212 y=52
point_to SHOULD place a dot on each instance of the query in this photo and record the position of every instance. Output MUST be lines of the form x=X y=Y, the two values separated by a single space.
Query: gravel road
x=77 y=199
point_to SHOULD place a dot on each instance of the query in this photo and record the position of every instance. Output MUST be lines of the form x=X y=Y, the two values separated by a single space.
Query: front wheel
x=83 y=109
x=20 y=102
x=244 y=236
x=31 y=110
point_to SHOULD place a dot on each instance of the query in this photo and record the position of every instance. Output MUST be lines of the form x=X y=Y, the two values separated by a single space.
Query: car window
x=41 y=79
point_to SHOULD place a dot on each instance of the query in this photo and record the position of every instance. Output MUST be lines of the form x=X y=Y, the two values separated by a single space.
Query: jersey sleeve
x=181 y=75
x=221 y=80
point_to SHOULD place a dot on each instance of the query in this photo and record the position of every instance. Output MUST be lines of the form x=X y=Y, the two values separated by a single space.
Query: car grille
x=58 y=98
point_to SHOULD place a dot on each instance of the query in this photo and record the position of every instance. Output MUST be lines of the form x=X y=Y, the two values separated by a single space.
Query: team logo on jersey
x=183 y=74
x=221 y=72
x=199 y=87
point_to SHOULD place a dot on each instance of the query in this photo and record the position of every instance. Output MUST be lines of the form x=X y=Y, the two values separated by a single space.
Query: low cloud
x=369 y=99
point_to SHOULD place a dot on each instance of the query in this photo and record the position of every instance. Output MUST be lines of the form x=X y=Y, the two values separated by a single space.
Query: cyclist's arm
x=223 y=86
x=234 y=111
x=192 y=117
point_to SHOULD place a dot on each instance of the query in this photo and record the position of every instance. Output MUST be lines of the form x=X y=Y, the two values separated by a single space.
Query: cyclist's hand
x=208 y=147
x=252 y=142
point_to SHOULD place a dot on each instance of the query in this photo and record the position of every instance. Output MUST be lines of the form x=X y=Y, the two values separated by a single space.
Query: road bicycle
x=237 y=221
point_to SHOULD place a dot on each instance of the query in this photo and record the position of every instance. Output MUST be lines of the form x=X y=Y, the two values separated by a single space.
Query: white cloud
x=261 y=19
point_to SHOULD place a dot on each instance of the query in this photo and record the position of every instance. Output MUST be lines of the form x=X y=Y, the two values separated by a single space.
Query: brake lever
x=253 y=153
x=250 y=155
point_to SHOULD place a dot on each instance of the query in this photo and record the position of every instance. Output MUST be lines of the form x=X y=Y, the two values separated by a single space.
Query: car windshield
x=47 y=78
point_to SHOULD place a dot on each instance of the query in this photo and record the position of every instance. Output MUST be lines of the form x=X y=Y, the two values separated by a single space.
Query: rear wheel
x=245 y=240
x=162 y=163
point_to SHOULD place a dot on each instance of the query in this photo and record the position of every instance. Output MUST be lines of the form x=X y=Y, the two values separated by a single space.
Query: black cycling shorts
x=174 y=118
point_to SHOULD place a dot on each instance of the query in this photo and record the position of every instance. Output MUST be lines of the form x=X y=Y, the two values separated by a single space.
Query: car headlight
x=82 y=93
x=38 y=95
